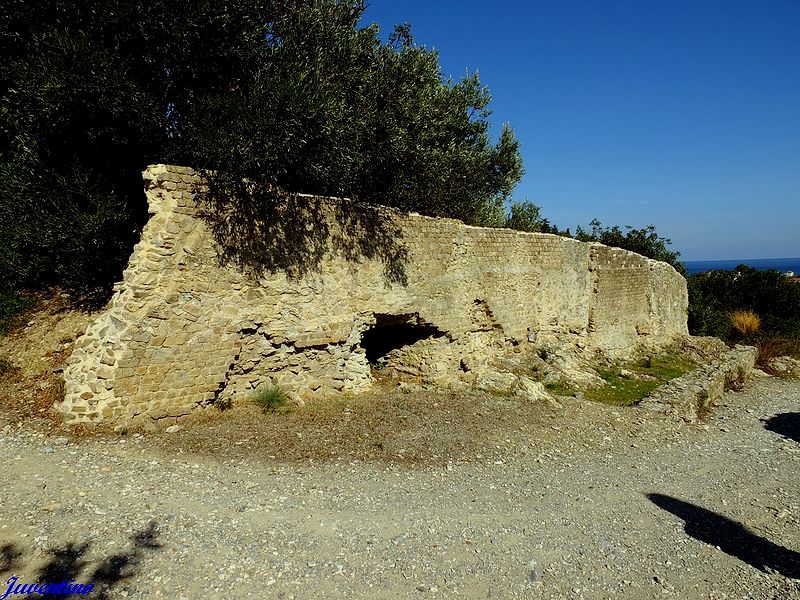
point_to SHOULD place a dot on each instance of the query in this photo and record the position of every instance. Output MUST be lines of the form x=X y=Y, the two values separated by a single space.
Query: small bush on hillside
x=8 y=368
x=745 y=322
x=12 y=306
x=772 y=346
x=271 y=398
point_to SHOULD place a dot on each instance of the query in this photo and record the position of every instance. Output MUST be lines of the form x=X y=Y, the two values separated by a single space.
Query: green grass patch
x=623 y=391
x=664 y=367
x=271 y=398
x=560 y=389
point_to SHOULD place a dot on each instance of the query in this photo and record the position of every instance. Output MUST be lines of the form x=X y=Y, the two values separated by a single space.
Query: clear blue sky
x=684 y=114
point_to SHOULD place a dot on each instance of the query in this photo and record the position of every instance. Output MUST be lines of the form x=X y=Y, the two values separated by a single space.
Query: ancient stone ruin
x=195 y=323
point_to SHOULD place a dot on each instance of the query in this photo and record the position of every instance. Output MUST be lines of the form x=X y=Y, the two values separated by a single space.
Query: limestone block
x=784 y=365
x=495 y=382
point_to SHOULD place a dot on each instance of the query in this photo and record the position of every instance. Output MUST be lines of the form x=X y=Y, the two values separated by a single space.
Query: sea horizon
x=783 y=265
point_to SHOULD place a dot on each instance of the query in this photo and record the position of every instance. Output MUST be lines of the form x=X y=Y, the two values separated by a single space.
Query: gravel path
x=614 y=504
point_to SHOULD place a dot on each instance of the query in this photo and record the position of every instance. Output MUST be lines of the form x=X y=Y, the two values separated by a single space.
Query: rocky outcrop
x=784 y=366
x=345 y=288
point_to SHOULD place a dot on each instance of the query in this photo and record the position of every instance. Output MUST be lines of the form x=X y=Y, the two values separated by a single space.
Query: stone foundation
x=692 y=395
x=186 y=329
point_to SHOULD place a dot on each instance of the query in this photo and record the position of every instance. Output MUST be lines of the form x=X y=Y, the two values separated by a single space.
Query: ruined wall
x=184 y=330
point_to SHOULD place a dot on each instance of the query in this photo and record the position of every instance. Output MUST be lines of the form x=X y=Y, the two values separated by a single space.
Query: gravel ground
x=610 y=503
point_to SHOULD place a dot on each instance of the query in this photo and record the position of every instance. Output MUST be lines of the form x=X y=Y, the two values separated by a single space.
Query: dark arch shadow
x=732 y=537
x=785 y=424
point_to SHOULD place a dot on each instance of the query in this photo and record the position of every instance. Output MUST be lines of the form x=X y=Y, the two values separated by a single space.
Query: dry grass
x=385 y=425
x=32 y=354
x=745 y=322
x=773 y=346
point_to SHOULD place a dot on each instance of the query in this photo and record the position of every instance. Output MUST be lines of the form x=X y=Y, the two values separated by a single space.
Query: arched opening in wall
x=392 y=333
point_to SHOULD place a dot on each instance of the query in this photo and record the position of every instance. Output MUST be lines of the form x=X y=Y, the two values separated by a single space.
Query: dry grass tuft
x=745 y=322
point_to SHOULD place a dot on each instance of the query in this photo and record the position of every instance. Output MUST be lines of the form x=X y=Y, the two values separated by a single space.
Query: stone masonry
x=186 y=329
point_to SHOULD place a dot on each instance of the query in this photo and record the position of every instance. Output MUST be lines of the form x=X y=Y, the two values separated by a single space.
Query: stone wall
x=186 y=329
x=690 y=396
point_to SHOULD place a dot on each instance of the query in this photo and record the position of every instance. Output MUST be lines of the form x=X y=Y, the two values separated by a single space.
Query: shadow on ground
x=70 y=563
x=785 y=424
x=731 y=537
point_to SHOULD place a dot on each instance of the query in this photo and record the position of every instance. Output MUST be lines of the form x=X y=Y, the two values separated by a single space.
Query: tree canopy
x=292 y=95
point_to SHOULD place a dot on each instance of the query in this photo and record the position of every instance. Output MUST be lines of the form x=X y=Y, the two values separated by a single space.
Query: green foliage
x=643 y=241
x=291 y=96
x=76 y=122
x=332 y=111
x=12 y=306
x=624 y=391
x=560 y=388
x=526 y=216
x=714 y=295
x=271 y=398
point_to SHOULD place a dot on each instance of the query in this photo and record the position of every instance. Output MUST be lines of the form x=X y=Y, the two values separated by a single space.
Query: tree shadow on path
x=69 y=562
x=9 y=559
x=732 y=537
x=785 y=424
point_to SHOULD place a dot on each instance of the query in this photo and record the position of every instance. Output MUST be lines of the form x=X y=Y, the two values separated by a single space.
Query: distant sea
x=779 y=264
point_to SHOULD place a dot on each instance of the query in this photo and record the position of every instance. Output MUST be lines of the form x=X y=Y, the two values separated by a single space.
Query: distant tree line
x=526 y=216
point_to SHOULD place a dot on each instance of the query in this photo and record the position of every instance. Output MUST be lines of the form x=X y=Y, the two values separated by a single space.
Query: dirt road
x=610 y=503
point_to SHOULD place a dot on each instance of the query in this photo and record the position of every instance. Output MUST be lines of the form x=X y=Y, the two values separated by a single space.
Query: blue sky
x=681 y=114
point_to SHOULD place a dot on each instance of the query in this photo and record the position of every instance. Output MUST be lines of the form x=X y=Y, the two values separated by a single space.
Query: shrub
x=715 y=295
x=8 y=368
x=526 y=216
x=12 y=306
x=772 y=346
x=271 y=398
x=745 y=322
